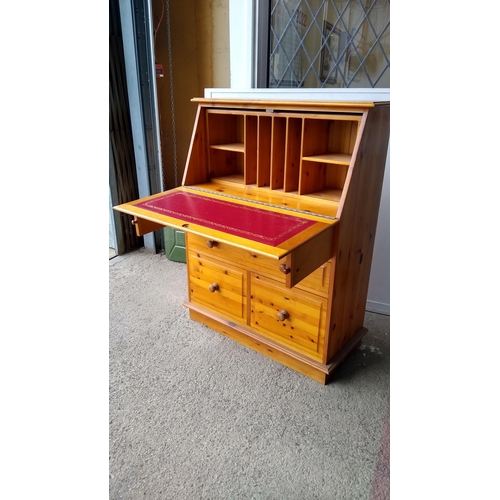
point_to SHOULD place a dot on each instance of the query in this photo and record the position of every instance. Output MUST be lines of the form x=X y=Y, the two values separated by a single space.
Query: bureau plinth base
x=317 y=371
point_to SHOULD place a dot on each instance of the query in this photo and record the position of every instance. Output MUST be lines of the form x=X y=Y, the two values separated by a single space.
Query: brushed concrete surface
x=195 y=415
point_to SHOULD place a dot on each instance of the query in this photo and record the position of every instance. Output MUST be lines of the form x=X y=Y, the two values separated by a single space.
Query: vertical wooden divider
x=292 y=157
x=250 y=148
x=278 y=152
x=264 y=151
x=239 y=157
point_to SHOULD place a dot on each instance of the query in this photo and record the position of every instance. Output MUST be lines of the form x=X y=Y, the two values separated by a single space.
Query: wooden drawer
x=303 y=325
x=218 y=286
x=239 y=256
x=317 y=282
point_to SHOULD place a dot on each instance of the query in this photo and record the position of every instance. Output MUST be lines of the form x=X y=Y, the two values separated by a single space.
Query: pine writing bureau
x=279 y=202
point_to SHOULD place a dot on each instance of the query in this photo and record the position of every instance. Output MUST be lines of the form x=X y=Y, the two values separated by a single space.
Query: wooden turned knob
x=211 y=243
x=282 y=315
x=213 y=287
x=284 y=269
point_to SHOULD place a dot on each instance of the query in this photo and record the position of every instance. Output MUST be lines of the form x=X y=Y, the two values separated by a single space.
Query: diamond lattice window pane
x=327 y=43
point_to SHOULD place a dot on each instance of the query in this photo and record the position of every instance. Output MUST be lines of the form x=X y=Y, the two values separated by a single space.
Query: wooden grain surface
x=316 y=282
x=358 y=214
x=230 y=294
x=303 y=330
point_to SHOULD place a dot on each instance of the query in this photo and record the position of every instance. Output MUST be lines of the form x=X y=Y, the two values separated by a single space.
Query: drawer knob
x=213 y=287
x=282 y=315
x=284 y=269
x=211 y=243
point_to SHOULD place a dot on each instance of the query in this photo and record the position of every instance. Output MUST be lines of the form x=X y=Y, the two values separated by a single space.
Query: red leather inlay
x=255 y=224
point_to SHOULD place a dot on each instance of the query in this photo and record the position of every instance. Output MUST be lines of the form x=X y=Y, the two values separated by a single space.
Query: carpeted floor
x=195 y=415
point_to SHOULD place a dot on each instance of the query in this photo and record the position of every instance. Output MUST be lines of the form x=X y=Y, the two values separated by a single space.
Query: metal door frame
x=137 y=33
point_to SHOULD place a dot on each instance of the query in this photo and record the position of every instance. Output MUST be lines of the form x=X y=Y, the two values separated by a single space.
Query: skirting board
x=378 y=307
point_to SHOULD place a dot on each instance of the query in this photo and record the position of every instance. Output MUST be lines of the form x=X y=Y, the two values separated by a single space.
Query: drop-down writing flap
x=305 y=239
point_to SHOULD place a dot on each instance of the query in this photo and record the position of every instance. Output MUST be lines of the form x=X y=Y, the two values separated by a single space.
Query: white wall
x=241 y=20
x=380 y=286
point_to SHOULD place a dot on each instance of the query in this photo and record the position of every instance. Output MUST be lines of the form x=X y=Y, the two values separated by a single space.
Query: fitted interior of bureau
x=304 y=154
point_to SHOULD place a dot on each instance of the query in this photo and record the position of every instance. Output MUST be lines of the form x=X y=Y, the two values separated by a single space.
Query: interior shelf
x=335 y=158
x=235 y=178
x=235 y=146
x=327 y=195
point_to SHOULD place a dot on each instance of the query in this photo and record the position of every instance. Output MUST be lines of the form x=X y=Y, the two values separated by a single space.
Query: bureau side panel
x=356 y=230
x=196 y=171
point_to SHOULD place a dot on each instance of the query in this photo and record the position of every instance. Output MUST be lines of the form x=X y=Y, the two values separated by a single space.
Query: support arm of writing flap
x=144 y=226
x=306 y=258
